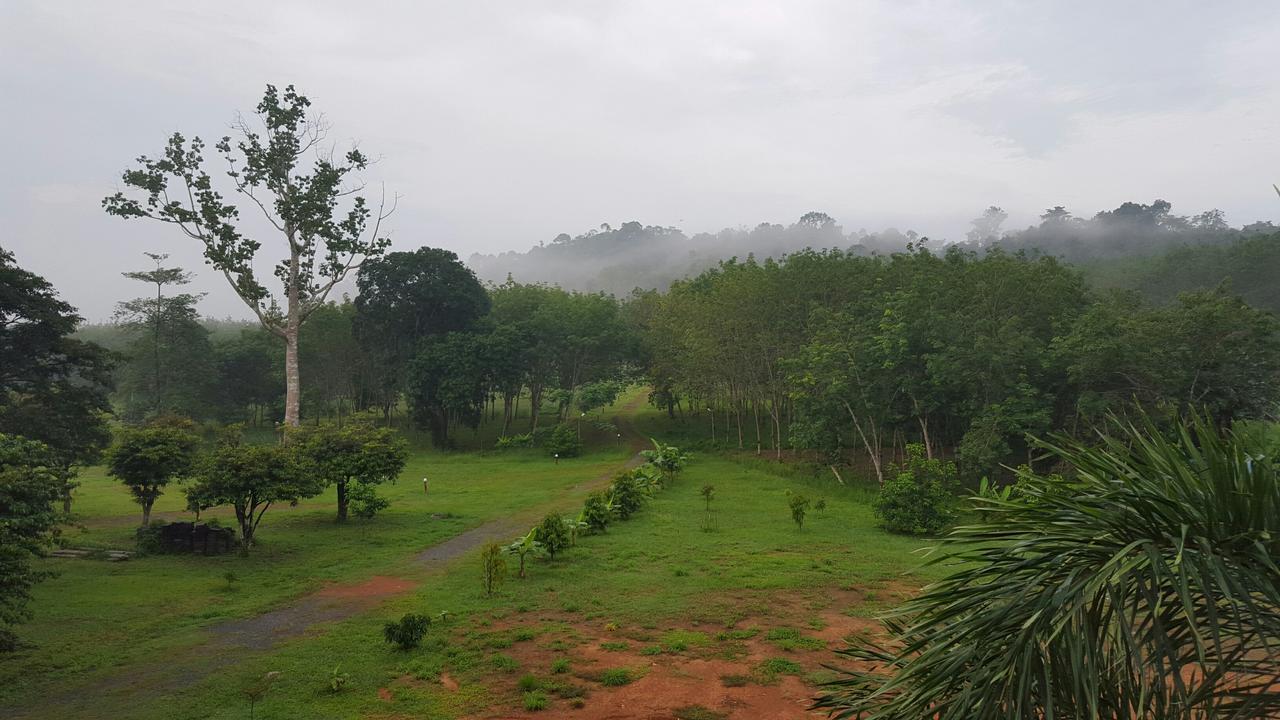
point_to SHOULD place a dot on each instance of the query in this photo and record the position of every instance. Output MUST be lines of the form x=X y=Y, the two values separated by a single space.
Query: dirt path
x=230 y=641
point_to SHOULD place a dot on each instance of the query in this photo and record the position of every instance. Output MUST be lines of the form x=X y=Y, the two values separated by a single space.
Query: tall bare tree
x=266 y=167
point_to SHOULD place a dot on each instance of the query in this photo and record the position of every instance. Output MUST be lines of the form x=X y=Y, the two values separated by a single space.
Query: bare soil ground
x=721 y=673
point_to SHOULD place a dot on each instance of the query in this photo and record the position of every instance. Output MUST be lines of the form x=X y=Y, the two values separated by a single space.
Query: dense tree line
x=456 y=351
x=963 y=352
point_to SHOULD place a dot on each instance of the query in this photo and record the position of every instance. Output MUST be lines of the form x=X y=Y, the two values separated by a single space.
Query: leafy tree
x=563 y=441
x=596 y=395
x=406 y=297
x=148 y=458
x=493 y=567
x=28 y=523
x=251 y=478
x=987 y=227
x=799 y=505
x=708 y=493
x=553 y=534
x=330 y=356
x=249 y=376
x=172 y=347
x=1144 y=587
x=53 y=388
x=322 y=245
x=919 y=498
x=447 y=384
x=1207 y=350
x=354 y=458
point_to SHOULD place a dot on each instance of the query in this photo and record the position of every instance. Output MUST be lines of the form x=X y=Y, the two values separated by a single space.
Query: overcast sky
x=502 y=124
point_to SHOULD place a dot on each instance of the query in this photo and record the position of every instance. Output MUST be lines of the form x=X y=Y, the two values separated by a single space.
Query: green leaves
x=265 y=166
x=1144 y=587
x=28 y=488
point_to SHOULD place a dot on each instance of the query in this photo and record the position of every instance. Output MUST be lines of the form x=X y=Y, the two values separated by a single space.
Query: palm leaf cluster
x=1146 y=586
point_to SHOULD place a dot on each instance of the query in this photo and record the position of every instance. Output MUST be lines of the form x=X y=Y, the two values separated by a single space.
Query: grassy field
x=655 y=600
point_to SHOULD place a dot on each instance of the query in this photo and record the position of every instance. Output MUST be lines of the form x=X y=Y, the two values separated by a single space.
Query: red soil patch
x=375 y=587
x=669 y=681
x=448 y=683
x=385 y=695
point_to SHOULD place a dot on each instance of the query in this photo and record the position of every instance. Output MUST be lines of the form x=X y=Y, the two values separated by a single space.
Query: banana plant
x=666 y=458
x=649 y=478
x=525 y=546
x=575 y=527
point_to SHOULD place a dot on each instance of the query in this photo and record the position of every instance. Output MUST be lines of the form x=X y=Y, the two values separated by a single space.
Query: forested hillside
x=1110 y=243
x=1249 y=265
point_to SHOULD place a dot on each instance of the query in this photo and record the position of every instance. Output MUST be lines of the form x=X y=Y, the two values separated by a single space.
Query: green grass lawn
x=98 y=619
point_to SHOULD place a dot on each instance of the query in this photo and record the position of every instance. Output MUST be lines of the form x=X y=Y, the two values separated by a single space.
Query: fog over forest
x=633 y=255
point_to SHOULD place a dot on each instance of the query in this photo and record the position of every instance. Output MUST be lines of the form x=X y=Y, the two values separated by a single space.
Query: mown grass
x=622 y=579
x=93 y=616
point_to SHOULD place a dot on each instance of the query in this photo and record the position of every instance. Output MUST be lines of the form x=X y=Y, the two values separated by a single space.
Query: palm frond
x=1146 y=586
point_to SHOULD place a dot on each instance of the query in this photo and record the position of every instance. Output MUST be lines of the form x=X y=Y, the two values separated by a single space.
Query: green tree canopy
x=148 y=458
x=28 y=488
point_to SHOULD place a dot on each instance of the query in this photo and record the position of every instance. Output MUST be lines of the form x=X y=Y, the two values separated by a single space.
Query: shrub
x=408 y=631
x=918 y=500
x=560 y=666
x=595 y=512
x=536 y=700
x=626 y=495
x=493 y=567
x=507 y=442
x=563 y=441
x=799 y=507
x=365 y=501
x=553 y=535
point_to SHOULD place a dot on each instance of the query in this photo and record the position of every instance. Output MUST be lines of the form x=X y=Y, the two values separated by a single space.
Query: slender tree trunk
x=535 y=406
x=342 y=501
x=871 y=443
x=292 y=396
x=146 y=513
x=755 y=410
x=156 y=346
x=924 y=432
x=292 y=389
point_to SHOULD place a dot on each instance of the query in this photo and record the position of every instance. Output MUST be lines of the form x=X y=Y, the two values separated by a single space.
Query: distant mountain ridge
x=633 y=255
